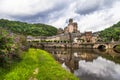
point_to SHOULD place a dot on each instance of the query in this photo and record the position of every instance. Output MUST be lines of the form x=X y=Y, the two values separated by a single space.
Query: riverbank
x=36 y=64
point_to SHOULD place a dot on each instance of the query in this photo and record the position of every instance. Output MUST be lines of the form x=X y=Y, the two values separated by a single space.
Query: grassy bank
x=37 y=65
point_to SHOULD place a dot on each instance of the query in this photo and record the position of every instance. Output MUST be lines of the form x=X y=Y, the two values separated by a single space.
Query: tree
x=11 y=45
x=28 y=29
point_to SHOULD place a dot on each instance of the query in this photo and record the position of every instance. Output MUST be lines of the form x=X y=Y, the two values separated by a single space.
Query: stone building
x=72 y=27
x=88 y=37
x=52 y=38
x=60 y=31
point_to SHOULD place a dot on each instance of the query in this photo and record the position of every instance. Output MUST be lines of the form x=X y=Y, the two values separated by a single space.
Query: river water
x=89 y=64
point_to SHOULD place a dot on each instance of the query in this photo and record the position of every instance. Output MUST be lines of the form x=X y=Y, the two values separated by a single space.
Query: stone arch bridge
x=105 y=45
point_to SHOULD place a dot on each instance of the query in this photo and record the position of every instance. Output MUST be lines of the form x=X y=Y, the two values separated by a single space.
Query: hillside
x=110 y=33
x=28 y=29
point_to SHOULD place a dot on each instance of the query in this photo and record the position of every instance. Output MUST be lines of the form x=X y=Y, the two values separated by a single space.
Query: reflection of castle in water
x=71 y=57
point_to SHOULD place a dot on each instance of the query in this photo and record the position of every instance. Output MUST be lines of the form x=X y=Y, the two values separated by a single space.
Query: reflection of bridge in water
x=71 y=57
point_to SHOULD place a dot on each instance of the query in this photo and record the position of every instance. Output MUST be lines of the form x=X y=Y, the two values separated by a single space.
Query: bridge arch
x=101 y=46
x=115 y=46
x=116 y=49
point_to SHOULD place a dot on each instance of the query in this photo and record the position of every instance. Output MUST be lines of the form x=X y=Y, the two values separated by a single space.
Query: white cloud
x=92 y=15
x=101 y=19
x=65 y=15
x=26 y=7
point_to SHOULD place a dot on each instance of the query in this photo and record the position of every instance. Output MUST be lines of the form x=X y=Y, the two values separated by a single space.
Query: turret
x=70 y=20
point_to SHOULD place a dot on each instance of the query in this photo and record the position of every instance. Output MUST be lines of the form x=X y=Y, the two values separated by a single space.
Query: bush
x=11 y=46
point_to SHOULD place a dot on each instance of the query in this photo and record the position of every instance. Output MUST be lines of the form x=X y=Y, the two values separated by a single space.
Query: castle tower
x=72 y=27
x=75 y=27
x=70 y=20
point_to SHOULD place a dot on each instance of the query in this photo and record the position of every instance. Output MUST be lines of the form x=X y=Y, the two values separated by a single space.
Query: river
x=89 y=64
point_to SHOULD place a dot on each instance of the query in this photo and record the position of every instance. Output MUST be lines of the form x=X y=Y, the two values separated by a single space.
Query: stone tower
x=70 y=20
x=72 y=27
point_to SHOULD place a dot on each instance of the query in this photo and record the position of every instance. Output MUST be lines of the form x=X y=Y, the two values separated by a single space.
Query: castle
x=71 y=33
x=72 y=27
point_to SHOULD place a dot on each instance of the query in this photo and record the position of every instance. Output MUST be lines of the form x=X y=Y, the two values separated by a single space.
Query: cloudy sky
x=92 y=15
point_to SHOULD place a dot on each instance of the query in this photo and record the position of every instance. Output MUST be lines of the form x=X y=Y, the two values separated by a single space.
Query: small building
x=53 y=38
x=60 y=31
x=87 y=37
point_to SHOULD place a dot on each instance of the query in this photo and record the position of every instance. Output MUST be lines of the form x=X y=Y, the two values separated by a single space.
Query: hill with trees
x=110 y=33
x=28 y=29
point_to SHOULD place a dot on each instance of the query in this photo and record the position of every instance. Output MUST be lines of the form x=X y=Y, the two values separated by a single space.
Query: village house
x=88 y=37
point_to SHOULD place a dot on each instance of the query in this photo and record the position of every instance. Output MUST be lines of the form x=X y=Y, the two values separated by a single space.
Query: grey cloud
x=95 y=5
x=88 y=13
x=44 y=16
x=40 y=16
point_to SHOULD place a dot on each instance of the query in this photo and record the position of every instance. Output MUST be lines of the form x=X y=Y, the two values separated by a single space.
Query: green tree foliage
x=110 y=33
x=11 y=45
x=6 y=42
x=28 y=29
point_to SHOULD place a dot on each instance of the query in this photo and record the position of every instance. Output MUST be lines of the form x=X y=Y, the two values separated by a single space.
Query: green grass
x=37 y=64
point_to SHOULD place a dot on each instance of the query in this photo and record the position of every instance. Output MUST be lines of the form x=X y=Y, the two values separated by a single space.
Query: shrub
x=11 y=46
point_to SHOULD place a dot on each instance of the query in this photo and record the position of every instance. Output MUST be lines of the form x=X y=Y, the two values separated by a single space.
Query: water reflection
x=88 y=64
x=99 y=69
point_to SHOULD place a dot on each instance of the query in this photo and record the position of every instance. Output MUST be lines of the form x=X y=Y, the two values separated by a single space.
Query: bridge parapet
x=78 y=45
